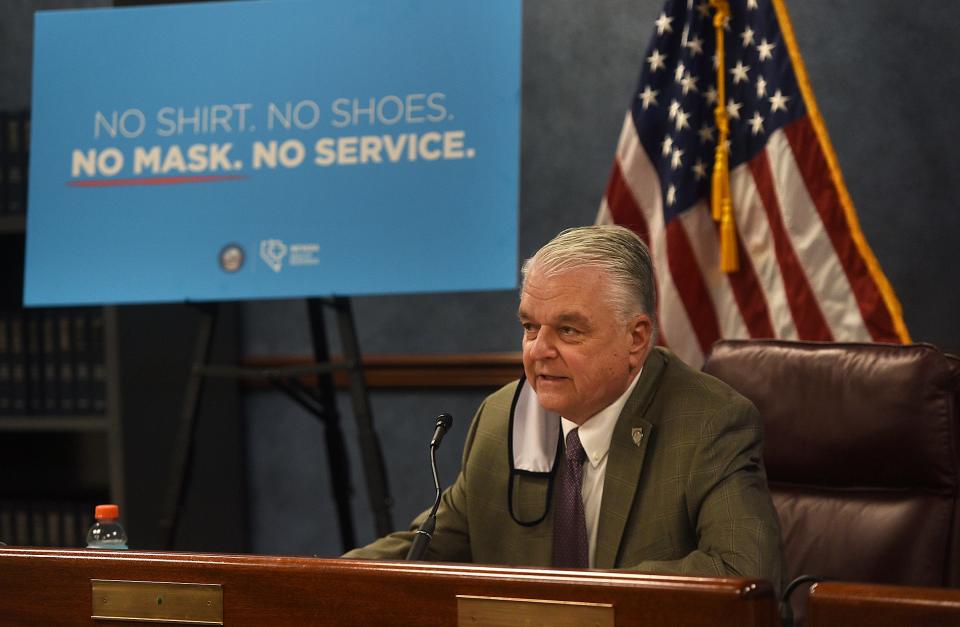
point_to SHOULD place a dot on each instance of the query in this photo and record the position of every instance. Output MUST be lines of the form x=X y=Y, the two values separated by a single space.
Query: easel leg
x=337 y=457
x=320 y=401
x=182 y=458
x=370 y=451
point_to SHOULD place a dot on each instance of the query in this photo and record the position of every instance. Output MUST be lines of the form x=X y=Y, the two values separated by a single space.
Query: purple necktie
x=570 y=548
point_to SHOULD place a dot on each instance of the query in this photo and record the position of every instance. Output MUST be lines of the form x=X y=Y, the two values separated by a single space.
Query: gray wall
x=885 y=73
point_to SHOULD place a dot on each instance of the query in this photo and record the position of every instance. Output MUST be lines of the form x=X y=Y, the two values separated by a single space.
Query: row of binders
x=45 y=523
x=14 y=159
x=52 y=362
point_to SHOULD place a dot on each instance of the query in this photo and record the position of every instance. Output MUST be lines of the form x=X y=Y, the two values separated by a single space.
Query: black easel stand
x=320 y=401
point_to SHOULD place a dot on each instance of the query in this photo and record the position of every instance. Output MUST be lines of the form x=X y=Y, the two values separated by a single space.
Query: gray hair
x=615 y=250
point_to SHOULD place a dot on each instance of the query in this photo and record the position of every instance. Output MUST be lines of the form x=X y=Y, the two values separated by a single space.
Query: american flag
x=805 y=269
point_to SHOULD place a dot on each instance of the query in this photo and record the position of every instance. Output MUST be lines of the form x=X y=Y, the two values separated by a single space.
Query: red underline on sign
x=162 y=180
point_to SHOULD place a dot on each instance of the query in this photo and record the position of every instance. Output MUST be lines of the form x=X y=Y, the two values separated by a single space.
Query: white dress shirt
x=595 y=435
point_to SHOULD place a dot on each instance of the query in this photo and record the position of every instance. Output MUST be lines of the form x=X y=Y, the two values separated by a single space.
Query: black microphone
x=425 y=533
x=444 y=422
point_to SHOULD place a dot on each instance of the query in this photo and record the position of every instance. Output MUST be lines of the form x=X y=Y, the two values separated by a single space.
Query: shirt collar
x=597 y=431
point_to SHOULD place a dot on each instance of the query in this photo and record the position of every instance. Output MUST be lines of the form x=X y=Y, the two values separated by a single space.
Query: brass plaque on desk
x=477 y=611
x=157 y=602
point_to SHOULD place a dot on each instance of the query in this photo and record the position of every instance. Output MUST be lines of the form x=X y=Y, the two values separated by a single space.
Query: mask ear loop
x=514 y=473
x=546 y=506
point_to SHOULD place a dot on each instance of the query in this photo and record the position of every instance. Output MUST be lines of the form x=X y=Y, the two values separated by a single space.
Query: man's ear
x=641 y=337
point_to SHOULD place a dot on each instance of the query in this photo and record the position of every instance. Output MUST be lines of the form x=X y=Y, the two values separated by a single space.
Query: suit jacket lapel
x=627 y=451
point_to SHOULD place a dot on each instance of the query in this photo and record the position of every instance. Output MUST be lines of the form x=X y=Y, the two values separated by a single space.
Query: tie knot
x=574 y=449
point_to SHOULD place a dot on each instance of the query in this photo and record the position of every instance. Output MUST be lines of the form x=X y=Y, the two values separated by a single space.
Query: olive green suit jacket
x=685 y=490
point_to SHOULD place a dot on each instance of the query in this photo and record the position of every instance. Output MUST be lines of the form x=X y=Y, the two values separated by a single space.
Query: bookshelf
x=60 y=435
x=63 y=452
x=55 y=465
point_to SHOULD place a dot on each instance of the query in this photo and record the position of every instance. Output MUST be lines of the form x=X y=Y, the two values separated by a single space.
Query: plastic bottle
x=106 y=532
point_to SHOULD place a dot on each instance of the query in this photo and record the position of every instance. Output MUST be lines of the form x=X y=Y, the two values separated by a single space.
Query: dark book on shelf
x=66 y=384
x=98 y=368
x=15 y=160
x=34 y=359
x=6 y=523
x=50 y=360
x=38 y=525
x=4 y=165
x=24 y=157
x=54 y=525
x=84 y=521
x=6 y=366
x=82 y=368
x=18 y=364
x=21 y=525
x=71 y=535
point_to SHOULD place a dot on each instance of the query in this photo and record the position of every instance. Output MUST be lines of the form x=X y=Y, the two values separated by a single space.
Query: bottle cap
x=106 y=511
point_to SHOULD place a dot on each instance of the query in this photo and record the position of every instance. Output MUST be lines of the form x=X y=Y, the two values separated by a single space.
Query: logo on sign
x=304 y=254
x=272 y=251
x=231 y=257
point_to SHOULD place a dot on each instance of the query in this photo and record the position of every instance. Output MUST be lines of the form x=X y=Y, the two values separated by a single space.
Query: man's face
x=578 y=354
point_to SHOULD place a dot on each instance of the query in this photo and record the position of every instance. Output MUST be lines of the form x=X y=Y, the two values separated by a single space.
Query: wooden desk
x=53 y=587
x=834 y=604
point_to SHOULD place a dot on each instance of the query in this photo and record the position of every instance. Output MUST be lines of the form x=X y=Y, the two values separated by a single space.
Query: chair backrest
x=862 y=454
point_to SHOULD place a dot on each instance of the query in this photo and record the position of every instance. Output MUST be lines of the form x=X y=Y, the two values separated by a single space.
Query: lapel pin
x=637 y=434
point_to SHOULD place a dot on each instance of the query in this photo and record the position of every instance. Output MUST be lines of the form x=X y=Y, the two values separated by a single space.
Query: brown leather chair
x=862 y=451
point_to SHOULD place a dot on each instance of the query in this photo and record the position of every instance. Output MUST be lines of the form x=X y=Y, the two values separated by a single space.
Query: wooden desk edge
x=828 y=592
x=740 y=586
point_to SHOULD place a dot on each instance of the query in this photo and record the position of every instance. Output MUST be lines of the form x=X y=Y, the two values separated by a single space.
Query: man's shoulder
x=501 y=401
x=682 y=384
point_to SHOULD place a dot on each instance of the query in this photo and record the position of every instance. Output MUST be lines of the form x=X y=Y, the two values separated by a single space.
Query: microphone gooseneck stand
x=786 y=610
x=425 y=533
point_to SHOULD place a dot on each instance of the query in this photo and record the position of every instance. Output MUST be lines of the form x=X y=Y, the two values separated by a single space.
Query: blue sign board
x=236 y=150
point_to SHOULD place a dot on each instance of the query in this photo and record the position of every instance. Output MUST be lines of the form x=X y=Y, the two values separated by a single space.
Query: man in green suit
x=609 y=452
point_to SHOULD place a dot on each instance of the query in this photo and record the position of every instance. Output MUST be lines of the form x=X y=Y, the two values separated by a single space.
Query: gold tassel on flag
x=720 y=203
